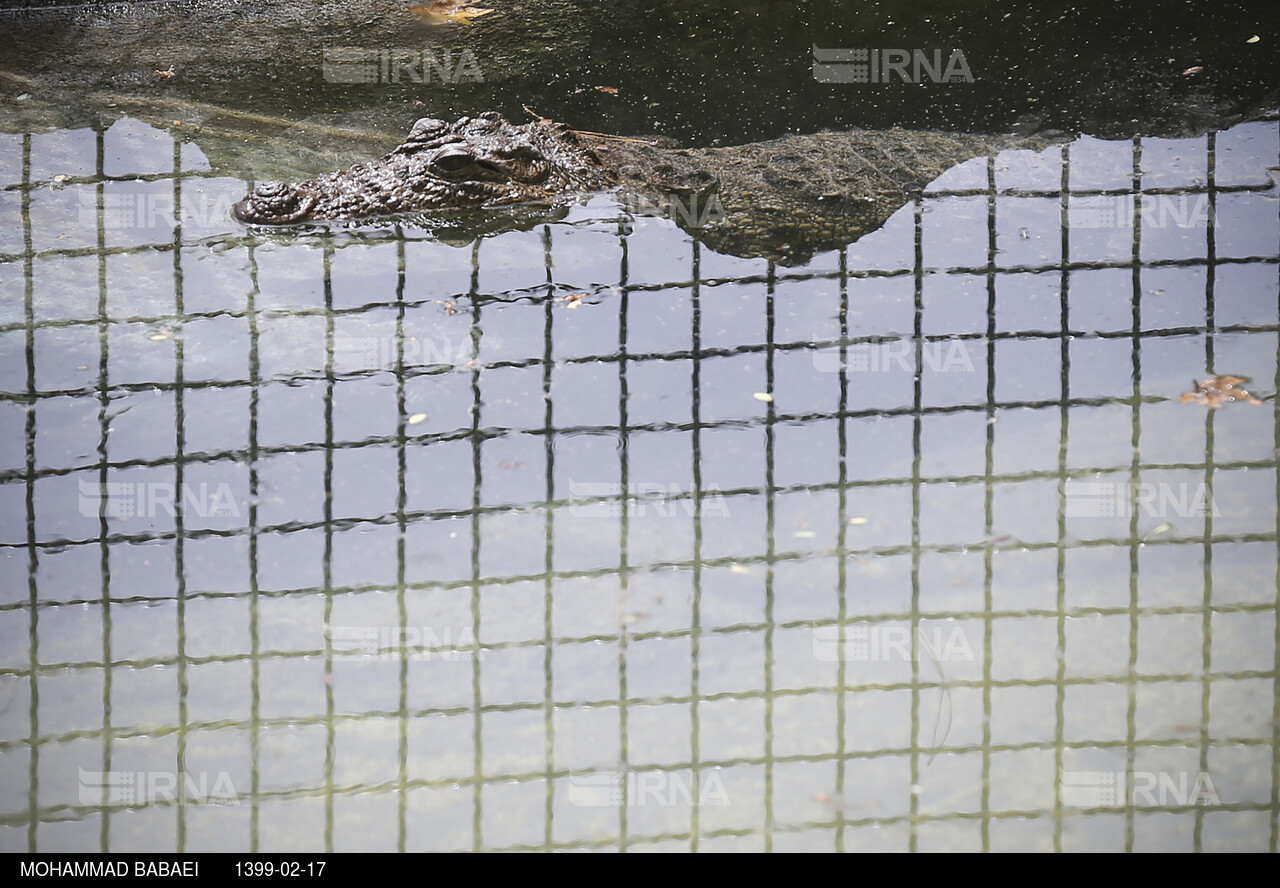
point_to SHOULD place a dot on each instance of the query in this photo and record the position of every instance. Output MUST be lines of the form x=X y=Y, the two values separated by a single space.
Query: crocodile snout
x=274 y=203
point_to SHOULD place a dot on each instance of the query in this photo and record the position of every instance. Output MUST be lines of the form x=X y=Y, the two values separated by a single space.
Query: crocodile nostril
x=274 y=203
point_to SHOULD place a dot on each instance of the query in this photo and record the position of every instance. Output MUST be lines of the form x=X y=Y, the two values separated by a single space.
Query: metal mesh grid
x=490 y=527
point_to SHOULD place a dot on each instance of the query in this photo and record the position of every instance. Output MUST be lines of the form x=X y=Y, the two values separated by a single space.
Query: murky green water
x=570 y=533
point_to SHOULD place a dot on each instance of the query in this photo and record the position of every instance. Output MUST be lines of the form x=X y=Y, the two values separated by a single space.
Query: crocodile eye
x=453 y=163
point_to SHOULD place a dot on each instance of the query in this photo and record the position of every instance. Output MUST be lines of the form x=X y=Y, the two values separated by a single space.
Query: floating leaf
x=1218 y=390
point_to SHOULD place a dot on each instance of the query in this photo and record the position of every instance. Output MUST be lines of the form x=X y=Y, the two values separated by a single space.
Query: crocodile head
x=482 y=161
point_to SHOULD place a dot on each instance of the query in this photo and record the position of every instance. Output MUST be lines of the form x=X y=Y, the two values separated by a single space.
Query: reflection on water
x=587 y=537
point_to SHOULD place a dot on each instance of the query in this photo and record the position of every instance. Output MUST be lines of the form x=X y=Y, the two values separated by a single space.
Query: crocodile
x=784 y=199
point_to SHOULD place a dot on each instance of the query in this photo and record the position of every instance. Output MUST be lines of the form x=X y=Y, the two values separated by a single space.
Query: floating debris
x=438 y=12
x=858 y=520
x=417 y=418
x=1195 y=69
x=536 y=115
x=1218 y=390
x=763 y=396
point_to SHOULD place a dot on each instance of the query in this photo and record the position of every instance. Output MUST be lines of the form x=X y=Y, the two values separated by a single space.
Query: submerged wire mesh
x=497 y=546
